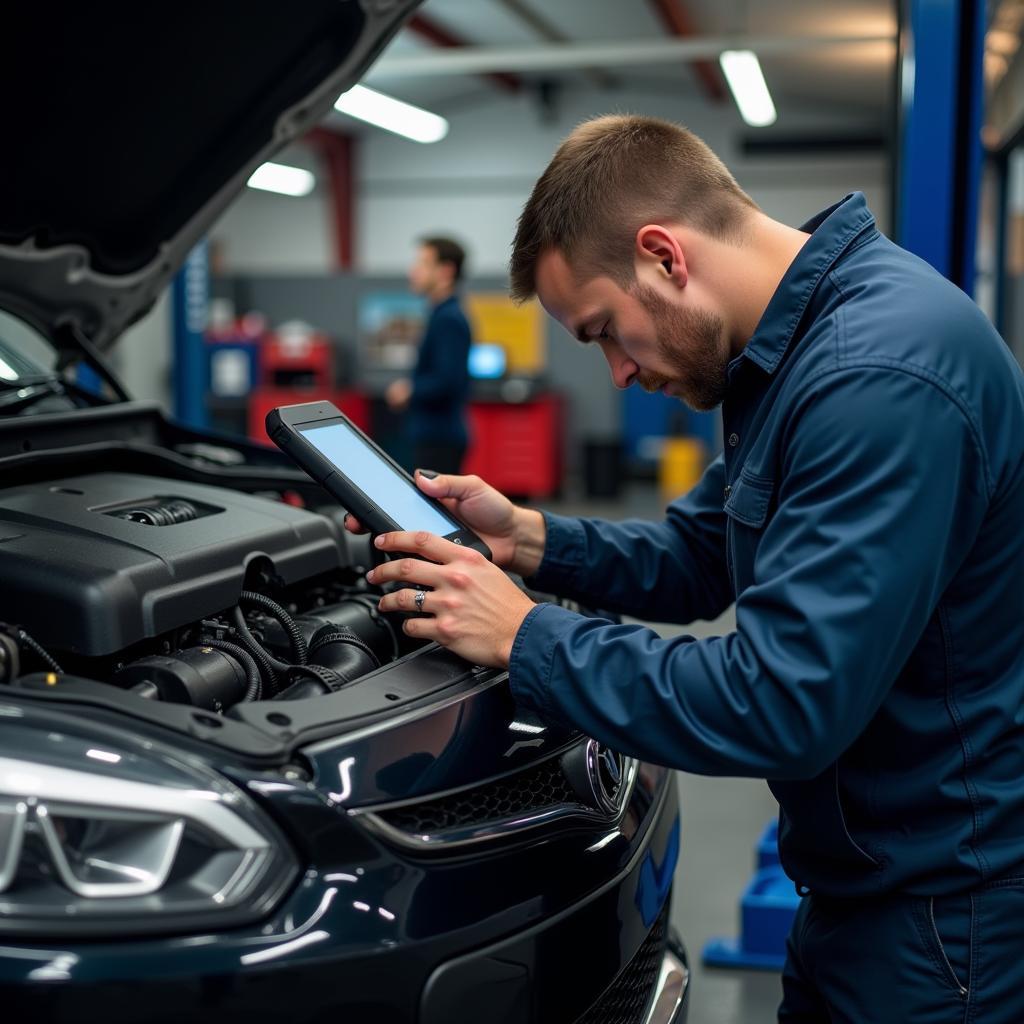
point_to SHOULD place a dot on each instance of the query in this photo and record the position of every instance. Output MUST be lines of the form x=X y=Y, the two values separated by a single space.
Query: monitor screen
x=486 y=361
x=394 y=493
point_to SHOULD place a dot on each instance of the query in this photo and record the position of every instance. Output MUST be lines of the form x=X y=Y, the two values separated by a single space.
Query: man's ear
x=656 y=244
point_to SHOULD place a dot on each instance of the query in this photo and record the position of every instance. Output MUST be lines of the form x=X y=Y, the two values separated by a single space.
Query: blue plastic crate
x=768 y=845
x=767 y=909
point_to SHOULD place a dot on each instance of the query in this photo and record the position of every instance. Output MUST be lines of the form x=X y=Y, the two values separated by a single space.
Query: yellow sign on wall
x=519 y=330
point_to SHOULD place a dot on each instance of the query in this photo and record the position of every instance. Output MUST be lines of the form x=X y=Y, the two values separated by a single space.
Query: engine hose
x=248 y=662
x=41 y=651
x=276 y=611
x=340 y=635
x=370 y=604
x=272 y=668
x=310 y=681
x=320 y=672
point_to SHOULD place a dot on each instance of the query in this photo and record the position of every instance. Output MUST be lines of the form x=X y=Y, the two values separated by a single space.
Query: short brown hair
x=609 y=177
x=448 y=251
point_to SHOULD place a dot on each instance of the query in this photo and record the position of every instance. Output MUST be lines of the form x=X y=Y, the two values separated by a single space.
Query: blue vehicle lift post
x=190 y=300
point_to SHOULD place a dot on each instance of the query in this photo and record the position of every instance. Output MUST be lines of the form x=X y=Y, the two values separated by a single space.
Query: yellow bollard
x=680 y=467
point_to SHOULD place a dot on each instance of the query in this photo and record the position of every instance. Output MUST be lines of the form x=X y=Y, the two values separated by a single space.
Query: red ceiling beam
x=336 y=152
x=677 y=21
x=428 y=29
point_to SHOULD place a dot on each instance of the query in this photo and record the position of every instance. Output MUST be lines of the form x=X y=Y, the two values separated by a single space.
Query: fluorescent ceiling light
x=742 y=71
x=392 y=115
x=289 y=181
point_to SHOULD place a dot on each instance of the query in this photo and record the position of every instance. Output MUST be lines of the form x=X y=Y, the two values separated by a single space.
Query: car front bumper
x=607 y=957
x=670 y=1001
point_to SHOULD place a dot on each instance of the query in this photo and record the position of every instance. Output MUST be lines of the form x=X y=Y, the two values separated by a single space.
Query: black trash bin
x=602 y=468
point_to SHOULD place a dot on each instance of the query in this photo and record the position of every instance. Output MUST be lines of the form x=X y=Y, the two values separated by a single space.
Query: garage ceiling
x=850 y=86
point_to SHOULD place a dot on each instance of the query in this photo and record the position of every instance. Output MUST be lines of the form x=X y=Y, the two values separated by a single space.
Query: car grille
x=539 y=788
x=625 y=1002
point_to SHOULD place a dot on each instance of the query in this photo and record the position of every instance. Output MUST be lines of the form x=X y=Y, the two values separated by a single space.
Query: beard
x=693 y=343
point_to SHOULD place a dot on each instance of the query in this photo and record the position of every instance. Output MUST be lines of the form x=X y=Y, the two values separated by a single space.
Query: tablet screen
x=377 y=479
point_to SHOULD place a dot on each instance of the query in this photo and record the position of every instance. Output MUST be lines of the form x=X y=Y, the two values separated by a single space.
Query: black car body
x=230 y=790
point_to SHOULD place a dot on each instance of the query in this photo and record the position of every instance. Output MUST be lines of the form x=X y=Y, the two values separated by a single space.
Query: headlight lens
x=94 y=833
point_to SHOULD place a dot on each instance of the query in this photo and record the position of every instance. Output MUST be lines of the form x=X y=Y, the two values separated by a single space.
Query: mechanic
x=436 y=395
x=866 y=517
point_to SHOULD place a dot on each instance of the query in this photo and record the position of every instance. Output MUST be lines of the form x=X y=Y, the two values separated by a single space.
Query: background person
x=436 y=395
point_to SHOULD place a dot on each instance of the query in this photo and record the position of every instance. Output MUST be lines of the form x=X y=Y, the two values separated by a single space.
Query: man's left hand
x=398 y=393
x=474 y=608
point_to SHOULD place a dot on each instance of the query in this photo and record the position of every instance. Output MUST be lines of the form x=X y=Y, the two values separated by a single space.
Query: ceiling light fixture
x=288 y=181
x=742 y=71
x=392 y=115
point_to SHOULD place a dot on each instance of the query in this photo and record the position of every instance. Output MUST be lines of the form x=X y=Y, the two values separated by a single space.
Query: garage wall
x=474 y=183
x=142 y=356
x=395 y=211
x=265 y=233
x=473 y=186
x=262 y=232
x=792 y=191
x=331 y=301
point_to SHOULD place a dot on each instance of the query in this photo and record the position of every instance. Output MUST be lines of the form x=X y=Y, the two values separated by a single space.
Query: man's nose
x=622 y=368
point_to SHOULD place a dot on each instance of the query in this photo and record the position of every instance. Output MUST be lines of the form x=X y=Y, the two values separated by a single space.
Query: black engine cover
x=80 y=578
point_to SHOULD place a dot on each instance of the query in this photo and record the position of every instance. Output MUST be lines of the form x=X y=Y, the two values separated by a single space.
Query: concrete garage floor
x=721 y=821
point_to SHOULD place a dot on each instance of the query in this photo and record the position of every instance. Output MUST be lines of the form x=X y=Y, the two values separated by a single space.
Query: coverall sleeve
x=881 y=491
x=442 y=372
x=672 y=571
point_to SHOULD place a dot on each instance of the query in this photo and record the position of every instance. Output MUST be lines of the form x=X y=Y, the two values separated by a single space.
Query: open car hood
x=131 y=127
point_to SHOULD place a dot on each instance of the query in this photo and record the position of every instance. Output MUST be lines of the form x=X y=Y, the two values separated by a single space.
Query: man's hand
x=474 y=608
x=515 y=535
x=398 y=394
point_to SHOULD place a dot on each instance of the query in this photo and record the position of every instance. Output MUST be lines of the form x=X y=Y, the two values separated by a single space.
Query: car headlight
x=102 y=828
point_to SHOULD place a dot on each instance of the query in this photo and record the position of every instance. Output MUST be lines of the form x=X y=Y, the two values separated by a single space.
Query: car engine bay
x=187 y=593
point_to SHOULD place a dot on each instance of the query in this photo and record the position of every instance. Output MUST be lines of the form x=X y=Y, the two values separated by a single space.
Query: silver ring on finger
x=420 y=597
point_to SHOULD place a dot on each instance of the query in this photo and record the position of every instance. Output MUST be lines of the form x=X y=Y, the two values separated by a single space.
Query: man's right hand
x=515 y=535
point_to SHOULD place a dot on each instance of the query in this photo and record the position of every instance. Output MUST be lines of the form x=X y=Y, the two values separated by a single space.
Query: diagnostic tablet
x=365 y=480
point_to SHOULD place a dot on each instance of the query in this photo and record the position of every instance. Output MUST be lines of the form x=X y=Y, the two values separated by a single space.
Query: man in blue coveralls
x=867 y=518
x=436 y=395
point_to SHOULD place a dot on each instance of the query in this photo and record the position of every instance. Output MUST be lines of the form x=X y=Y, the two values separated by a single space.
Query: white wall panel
x=475 y=182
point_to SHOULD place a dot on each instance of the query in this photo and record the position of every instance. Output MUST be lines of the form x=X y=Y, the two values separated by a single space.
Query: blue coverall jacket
x=440 y=382
x=867 y=518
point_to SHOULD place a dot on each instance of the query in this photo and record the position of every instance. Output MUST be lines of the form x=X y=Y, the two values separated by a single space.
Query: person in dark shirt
x=436 y=395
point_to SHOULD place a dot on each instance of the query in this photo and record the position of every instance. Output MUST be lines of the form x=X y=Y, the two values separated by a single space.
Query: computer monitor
x=486 y=362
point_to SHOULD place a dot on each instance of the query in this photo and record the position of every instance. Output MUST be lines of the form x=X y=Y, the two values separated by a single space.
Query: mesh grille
x=541 y=787
x=627 y=999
